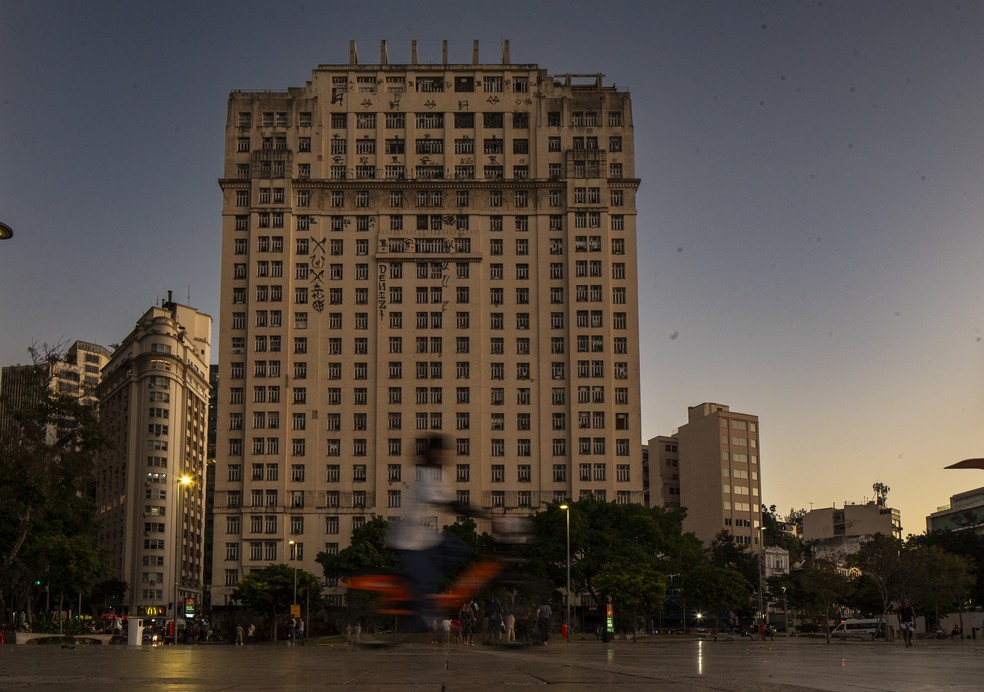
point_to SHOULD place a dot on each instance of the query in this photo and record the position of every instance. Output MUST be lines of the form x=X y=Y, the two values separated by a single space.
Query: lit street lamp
x=570 y=625
x=5 y=231
x=183 y=482
x=292 y=548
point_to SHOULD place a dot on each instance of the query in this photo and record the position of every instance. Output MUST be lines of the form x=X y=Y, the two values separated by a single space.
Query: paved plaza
x=661 y=663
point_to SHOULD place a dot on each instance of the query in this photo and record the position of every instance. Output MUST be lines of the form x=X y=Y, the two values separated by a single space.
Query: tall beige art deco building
x=154 y=410
x=719 y=479
x=419 y=248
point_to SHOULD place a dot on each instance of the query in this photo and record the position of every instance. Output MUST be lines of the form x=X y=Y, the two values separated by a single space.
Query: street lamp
x=785 y=610
x=293 y=602
x=292 y=549
x=570 y=628
x=761 y=570
x=183 y=482
x=5 y=231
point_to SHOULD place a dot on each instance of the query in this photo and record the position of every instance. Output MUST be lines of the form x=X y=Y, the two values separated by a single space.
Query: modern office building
x=150 y=478
x=965 y=512
x=411 y=249
x=711 y=467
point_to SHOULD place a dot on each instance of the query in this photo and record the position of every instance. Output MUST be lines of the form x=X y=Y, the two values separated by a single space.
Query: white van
x=865 y=628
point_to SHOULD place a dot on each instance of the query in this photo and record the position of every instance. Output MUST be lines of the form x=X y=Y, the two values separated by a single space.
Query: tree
x=716 y=590
x=725 y=552
x=366 y=551
x=603 y=533
x=817 y=590
x=970 y=544
x=47 y=450
x=879 y=560
x=775 y=534
x=635 y=590
x=271 y=590
x=936 y=580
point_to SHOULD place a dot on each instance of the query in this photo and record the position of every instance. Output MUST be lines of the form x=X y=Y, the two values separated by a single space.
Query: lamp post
x=183 y=482
x=293 y=601
x=785 y=610
x=567 y=512
x=292 y=544
x=761 y=571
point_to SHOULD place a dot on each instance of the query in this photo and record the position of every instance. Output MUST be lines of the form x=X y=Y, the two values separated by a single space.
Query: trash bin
x=135 y=630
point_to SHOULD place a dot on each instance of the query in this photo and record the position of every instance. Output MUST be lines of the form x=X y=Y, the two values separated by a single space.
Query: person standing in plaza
x=543 y=615
x=300 y=630
x=907 y=621
x=239 y=635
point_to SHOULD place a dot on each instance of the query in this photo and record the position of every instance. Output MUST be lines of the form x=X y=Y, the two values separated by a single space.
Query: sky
x=810 y=207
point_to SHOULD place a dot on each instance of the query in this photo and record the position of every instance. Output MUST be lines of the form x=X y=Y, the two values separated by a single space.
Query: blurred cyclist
x=427 y=553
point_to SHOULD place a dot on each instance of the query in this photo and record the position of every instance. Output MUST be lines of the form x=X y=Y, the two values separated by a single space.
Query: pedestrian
x=543 y=615
x=251 y=634
x=291 y=631
x=446 y=631
x=300 y=630
x=907 y=621
x=467 y=617
x=510 y=621
x=239 y=635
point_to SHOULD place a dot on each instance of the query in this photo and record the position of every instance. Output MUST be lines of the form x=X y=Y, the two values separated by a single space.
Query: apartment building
x=419 y=248
x=76 y=374
x=711 y=467
x=150 y=477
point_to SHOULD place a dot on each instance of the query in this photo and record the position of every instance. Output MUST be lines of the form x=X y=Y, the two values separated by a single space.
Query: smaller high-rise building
x=711 y=468
x=150 y=477
x=76 y=374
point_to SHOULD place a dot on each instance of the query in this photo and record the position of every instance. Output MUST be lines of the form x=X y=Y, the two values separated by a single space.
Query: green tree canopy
x=271 y=590
x=817 y=589
x=970 y=544
x=47 y=453
x=879 y=560
x=635 y=591
x=604 y=533
x=935 y=580
x=716 y=590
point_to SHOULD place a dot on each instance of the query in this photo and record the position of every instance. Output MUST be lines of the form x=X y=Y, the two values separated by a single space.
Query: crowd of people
x=493 y=623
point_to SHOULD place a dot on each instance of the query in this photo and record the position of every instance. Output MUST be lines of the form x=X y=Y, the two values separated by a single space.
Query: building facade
x=965 y=512
x=851 y=521
x=76 y=375
x=150 y=478
x=711 y=467
x=419 y=248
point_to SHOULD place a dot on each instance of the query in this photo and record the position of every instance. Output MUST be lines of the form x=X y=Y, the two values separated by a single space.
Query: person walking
x=300 y=630
x=543 y=615
x=907 y=621
x=239 y=635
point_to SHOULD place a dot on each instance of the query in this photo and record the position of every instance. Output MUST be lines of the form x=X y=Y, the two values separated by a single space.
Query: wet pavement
x=667 y=663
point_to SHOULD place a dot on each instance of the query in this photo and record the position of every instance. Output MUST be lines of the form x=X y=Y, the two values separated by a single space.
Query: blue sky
x=809 y=218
